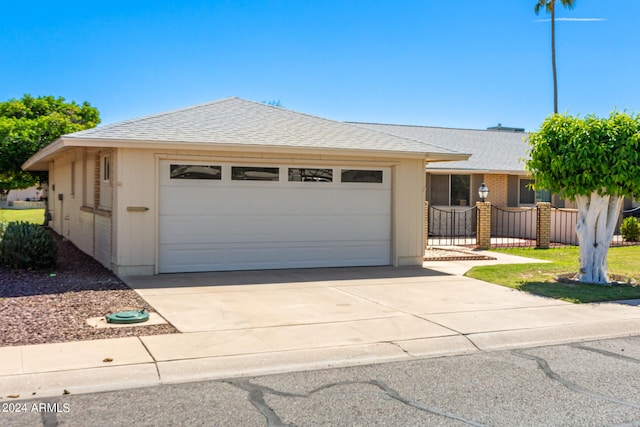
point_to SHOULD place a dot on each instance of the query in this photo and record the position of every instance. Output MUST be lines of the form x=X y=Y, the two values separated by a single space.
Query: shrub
x=27 y=246
x=630 y=229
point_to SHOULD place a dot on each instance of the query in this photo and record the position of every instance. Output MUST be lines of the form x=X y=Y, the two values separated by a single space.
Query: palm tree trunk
x=553 y=56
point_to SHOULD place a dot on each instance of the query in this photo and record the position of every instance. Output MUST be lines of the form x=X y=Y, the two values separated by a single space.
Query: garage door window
x=359 y=175
x=248 y=173
x=310 y=175
x=196 y=172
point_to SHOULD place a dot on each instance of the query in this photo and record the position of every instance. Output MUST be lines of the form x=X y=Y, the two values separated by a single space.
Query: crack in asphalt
x=257 y=392
x=606 y=353
x=544 y=366
x=256 y=397
x=396 y=396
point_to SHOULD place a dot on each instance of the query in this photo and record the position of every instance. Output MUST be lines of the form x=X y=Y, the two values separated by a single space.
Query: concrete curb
x=136 y=375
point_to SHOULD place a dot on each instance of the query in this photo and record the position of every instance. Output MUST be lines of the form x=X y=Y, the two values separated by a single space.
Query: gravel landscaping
x=453 y=254
x=52 y=306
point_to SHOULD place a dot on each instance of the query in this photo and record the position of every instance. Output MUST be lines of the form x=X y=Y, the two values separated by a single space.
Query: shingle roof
x=493 y=151
x=241 y=122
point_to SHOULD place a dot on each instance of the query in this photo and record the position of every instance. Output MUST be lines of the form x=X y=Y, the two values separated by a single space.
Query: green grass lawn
x=30 y=215
x=539 y=278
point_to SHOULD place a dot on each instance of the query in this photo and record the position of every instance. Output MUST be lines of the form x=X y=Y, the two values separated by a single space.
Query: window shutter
x=512 y=196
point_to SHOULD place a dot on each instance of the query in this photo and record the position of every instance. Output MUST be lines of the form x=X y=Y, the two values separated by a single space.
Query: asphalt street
x=593 y=383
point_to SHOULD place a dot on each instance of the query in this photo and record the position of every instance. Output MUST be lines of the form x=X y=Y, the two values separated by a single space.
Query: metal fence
x=563 y=227
x=617 y=239
x=452 y=226
x=513 y=227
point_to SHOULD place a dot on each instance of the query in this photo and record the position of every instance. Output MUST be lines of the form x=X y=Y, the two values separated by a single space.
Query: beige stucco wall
x=126 y=240
x=73 y=217
x=135 y=236
x=409 y=187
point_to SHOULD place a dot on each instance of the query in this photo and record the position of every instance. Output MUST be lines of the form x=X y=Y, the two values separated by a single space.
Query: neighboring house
x=497 y=159
x=29 y=194
x=233 y=185
x=20 y=196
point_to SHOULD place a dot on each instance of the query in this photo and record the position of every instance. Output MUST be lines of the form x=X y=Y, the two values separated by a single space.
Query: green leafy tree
x=596 y=162
x=27 y=125
x=550 y=6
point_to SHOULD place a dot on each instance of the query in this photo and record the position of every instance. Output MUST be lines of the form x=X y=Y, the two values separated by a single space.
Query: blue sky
x=466 y=63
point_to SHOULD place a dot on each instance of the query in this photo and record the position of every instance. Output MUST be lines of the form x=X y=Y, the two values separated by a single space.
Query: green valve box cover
x=128 y=316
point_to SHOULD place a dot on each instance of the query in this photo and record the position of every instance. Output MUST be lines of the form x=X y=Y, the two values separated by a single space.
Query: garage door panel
x=282 y=228
x=225 y=257
x=220 y=225
x=223 y=200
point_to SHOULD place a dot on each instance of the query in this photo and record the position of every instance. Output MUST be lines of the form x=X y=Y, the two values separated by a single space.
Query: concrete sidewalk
x=261 y=322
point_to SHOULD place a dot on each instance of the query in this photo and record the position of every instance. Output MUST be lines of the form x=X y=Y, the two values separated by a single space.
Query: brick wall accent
x=498 y=189
x=96 y=181
x=426 y=225
x=543 y=226
x=483 y=231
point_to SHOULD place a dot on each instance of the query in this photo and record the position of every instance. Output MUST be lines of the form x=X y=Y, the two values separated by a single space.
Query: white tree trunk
x=597 y=218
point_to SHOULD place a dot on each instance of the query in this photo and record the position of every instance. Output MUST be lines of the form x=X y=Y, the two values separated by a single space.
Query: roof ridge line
x=351 y=124
x=432 y=127
x=404 y=137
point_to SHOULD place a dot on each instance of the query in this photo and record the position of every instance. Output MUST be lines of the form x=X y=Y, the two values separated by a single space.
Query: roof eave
x=64 y=142
x=479 y=171
x=40 y=160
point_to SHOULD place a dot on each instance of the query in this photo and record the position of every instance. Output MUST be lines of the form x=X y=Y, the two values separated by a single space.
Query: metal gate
x=452 y=227
x=513 y=227
x=563 y=227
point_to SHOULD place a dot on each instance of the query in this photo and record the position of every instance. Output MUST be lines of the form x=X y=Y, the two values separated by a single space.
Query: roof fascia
x=123 y=143
x=43 y=154
x=477 y=171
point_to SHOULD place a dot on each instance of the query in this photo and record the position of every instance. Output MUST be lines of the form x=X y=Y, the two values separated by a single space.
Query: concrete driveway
x=230 y=313
x=260 y=322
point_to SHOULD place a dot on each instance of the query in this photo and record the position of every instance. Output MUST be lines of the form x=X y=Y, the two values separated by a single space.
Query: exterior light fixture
x=483 y=192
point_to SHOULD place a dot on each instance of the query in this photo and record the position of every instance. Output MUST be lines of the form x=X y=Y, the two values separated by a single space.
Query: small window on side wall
x=361 y=175
x=195 y=172
x=106 y=168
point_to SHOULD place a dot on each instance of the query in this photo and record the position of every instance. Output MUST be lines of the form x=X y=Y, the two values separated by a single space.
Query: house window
x=543 y=196
x=528 y=196
x=440 y=190
x=460 y=190
x=106 y=168
x=195 y=172
x=244 y=173
x=105 y=189
x=358 y=175
x=310 y=175
x=451 y=190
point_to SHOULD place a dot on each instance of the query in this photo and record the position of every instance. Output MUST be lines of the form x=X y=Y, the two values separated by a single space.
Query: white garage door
x=216 y=216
